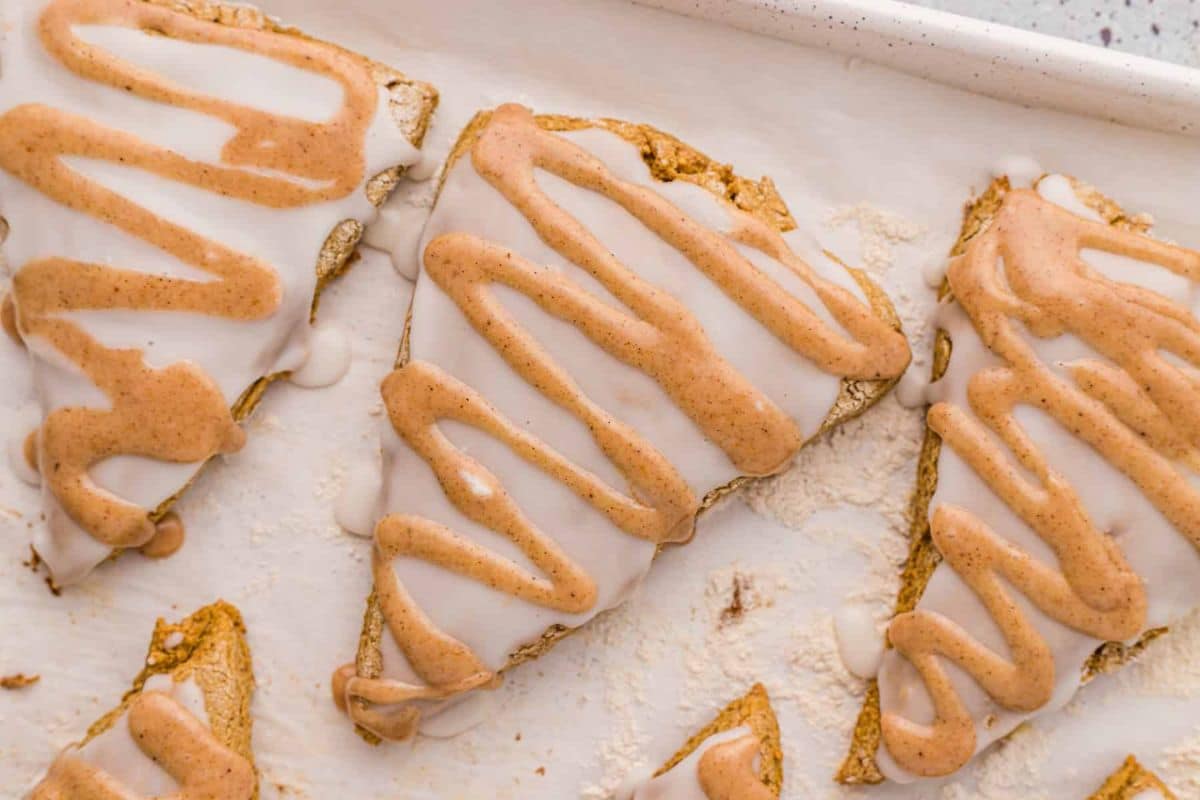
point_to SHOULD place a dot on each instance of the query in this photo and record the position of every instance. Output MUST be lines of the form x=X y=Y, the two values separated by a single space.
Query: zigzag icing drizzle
x=175 y=413
x=645 y=328
x=1021 y=281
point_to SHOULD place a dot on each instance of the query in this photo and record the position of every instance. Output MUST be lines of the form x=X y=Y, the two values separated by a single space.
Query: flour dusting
x=1012 y=770
x=1180 y=767
x=868 y=463
x=879 y=232
x=1169 y=666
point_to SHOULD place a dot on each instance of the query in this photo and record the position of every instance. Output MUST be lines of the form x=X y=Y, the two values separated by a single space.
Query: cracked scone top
x=182 y=732
x=1066 y=512
x=595 y=351
x=171 y=174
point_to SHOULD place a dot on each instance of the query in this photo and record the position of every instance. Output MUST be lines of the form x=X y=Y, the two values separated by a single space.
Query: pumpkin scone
x=737 y=756
x=609 y=332
x=179 y=180
x=182 y=731
x=1133 y=782
x=1056 y=517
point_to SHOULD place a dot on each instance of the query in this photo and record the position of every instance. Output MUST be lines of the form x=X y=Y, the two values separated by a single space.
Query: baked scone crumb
x=18 y=681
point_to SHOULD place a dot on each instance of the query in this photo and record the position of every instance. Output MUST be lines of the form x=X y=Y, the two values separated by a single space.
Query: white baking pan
x=805 y=106
x=982 y=57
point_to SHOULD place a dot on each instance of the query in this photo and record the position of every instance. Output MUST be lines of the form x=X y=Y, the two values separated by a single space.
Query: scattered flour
x=879 y=232
x=1169 y=666
x=331 y=485
x=752 y=637
x=264 y=422
x=727 y=660
x=870 y=463
x=819 y=684
x=1180 y=767
x=1012 y=770
x=624 y=751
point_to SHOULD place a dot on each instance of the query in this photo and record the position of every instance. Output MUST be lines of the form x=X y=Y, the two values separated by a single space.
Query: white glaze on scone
x=553 y=471
x=1130 y=558
x=171 y=723
x=693 y=777
x=231 y=352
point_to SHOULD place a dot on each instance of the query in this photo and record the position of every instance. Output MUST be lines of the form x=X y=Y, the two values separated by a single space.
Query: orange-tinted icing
x=726 y=771
x=173 y=738
x=1133 y=406
x=169 y=533
x=658 y=335
x=8 y=318
x=176 y=413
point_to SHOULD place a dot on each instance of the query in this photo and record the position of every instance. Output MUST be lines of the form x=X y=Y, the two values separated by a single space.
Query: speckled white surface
x=832 y=131
x=982 y=57
x=1165 y=29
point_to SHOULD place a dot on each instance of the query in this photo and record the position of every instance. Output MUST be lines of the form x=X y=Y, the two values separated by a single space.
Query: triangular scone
x=179 y=179
x=1057 y=478
x=609 y=331
x=737 y=756
x=183 y=731
x=1133 y=782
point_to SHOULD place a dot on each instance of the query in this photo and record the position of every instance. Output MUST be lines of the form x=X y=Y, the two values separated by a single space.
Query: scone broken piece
x=179 y=180
x=1133 y=782
x=737 y=756
x=610 y=331
x=182 y=731
x=18 y=680
x=1056 y=514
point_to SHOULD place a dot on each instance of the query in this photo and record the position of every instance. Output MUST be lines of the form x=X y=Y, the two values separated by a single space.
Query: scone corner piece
x=208 y=649
x=753 y=710
x=1132 y=782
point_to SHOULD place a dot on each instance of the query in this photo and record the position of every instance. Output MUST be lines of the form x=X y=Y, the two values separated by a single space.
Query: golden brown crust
x=211 y=651
x=753 y=711
x=18 y=680
x=668 y=159
x=859 y=766
x=1128 y=781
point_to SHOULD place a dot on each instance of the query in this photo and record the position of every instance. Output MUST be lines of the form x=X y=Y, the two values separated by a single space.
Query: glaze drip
x=653 y=332
x=174 y=414
x=726 y=771
x=169 y=534
x=173 y=738
x=1134 y=407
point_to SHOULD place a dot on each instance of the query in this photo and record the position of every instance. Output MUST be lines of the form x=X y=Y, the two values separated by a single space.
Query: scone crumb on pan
x=1131 y=780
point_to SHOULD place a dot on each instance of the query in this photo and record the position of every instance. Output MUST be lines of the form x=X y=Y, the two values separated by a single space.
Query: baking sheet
x=1020 y=66
x=833 y=132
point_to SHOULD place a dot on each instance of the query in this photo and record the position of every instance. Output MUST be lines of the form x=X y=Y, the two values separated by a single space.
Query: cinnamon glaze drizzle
x=726 y=771
x=8 y=319
x=654 y=333
x=1133 y=406
x=175 y=740
x=174 y=414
